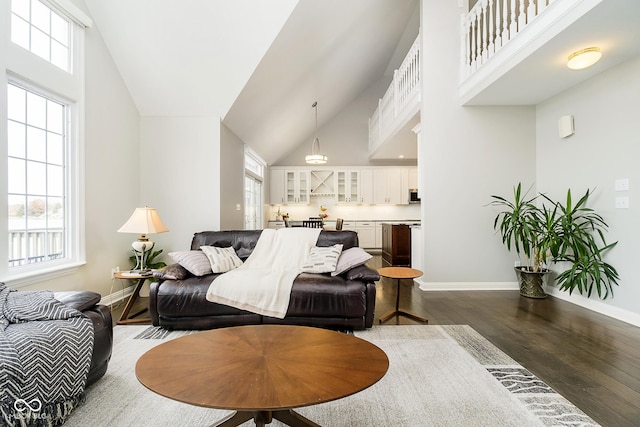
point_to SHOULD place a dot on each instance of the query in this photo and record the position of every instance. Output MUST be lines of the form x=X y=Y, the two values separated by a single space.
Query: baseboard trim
x=117 y=296
x=596 y=305
x=467 y=286
x=577 y=299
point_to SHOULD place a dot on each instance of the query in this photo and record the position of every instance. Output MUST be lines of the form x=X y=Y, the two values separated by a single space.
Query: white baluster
x=505 y=22
x=467 y=42
x=498 y=41
x=542 y=5
x=478 y=39
x=485 y=41
x=473 y=45
x=531 y=11
x=492 y=30
x=513 y=27
x=394 y=94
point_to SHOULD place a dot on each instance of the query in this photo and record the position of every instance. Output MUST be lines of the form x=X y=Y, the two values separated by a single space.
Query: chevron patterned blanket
x=45 y=355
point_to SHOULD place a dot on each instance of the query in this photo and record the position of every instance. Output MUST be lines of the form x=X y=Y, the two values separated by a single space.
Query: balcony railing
x=491 y=24
x=401 y=99
x=34 y=246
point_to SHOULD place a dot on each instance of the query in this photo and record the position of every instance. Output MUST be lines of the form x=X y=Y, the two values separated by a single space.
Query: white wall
x=345 y=137
x=180 y=176
x=605 y=147
x=231 y=180
x=468 y=153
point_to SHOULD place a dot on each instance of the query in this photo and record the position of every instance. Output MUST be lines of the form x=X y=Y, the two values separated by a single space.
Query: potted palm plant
x=549 y=232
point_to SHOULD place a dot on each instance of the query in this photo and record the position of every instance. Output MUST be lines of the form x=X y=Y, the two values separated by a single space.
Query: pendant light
x=315 y=158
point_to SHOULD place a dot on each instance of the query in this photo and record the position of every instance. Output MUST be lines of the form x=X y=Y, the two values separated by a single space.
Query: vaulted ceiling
x=258 y=65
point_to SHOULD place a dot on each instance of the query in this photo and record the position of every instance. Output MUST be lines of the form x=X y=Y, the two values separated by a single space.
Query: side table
x=125 y=318
x=399 y=273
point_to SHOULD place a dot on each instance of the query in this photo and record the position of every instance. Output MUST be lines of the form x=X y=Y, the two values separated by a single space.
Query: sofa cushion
x=350 y=258
x=178 y=298
x=221 y=259
x=195 y=261
x=320 y=295
x=322 y=260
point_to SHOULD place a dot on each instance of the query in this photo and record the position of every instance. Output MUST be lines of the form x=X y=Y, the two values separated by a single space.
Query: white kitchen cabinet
x=347 y=186
x=378 y=235
x=276 y=187
x=366 y=234
x=366 y=186
x=391 y=186
x=413 y=178
x=297 y=187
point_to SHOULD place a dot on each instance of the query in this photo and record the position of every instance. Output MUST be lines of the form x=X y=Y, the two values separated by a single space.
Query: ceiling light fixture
x=584 y=58
x=315 y=158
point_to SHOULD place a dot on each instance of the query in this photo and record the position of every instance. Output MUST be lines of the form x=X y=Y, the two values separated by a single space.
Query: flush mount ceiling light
x=315 y=158
x=584 y=58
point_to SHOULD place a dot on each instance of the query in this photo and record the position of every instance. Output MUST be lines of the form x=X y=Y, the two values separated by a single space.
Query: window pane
x=40 y=43
x=36 y=218
x=37 y=144
x=36 y=178
x=36 y=110
x=20 y=32
x=16 y=172
x=60 y=29
x=55 y=181
x=55 y=150
x=17 y=213
x=59 y=55
x=16 y=138
x=16 y=103
x=20 y=7
x=54 y=117
x=41 y=16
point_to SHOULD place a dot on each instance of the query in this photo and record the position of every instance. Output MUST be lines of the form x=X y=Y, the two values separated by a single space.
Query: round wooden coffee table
x=399 y=273
x=262 y=371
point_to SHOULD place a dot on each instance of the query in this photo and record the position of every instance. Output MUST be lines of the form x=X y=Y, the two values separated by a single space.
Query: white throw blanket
x=263 y=283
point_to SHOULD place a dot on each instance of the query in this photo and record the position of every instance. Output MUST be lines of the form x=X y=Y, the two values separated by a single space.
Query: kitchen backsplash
x=348 y=212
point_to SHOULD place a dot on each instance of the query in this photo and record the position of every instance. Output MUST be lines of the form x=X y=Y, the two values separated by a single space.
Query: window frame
x=249 y=173
x=31 y=72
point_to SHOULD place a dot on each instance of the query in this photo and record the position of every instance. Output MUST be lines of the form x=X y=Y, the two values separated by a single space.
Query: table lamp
x=143 y=221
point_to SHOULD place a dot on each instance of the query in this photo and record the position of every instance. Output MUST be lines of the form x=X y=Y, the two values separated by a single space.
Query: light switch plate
x=622 y=184
x=622 y=202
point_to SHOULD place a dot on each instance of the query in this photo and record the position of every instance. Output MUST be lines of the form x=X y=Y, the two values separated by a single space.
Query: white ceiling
x=258 y=65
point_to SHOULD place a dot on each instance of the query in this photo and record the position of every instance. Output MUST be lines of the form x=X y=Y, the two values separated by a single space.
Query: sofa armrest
x=363 y=273
x=80 y=300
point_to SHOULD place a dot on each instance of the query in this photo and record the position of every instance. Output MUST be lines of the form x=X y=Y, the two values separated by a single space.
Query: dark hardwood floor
x=591 y=359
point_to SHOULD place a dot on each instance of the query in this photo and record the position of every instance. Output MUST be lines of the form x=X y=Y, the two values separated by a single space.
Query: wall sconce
x=584 y=58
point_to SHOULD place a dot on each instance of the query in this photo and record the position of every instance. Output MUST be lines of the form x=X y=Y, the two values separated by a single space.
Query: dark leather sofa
x=343 y=301
x=100 y=315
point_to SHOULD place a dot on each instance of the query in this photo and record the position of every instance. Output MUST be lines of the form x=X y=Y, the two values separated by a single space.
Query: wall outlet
x=115 y=270
x=516 y=263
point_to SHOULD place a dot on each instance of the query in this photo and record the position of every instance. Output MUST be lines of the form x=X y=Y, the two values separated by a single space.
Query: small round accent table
x=400 y=273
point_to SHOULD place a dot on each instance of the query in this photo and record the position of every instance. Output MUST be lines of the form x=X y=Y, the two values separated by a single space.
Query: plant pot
x=531 y=282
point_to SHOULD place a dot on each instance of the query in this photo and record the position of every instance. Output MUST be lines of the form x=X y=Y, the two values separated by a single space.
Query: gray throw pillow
x=195 y=261
x=350 y=258
x=322 y=259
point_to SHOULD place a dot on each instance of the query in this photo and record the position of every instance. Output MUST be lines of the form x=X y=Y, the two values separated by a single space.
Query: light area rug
x=438 y=376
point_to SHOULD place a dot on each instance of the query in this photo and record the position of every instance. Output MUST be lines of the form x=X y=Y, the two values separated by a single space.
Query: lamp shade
x=144 y=221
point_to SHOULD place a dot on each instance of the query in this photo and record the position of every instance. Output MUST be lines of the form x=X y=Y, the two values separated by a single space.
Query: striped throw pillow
x=322 y=259
x=221 y=259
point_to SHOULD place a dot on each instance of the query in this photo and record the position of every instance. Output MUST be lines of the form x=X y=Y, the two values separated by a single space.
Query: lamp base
x=141 y=250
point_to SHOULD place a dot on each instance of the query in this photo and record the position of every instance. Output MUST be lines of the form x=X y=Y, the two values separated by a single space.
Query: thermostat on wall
x=565 y=126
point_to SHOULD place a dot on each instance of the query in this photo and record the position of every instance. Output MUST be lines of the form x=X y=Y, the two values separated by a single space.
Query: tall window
x=36 y=178
x=41 y=136
x=42 y=31
x=254 y=168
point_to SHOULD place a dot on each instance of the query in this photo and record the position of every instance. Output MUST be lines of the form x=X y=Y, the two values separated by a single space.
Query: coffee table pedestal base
x=289 y=417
